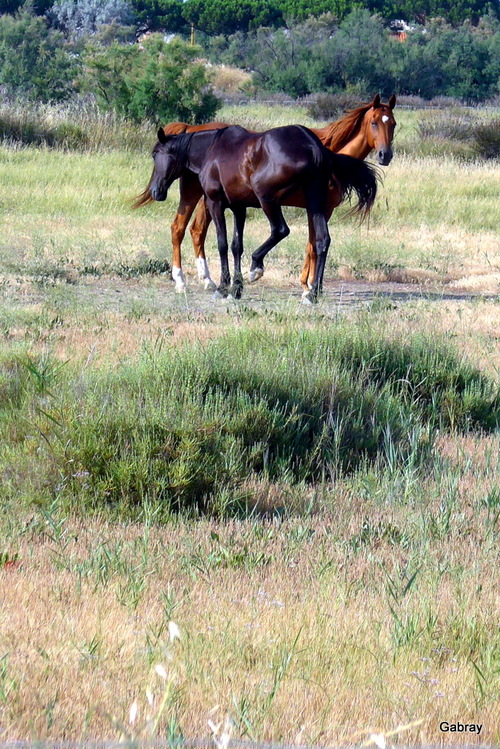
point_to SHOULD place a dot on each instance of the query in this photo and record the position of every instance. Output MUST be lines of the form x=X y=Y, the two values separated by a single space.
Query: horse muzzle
x=158 y=192
x=384 y=156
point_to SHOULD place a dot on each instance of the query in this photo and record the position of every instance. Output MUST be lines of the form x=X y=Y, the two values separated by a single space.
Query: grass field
x=310 y=494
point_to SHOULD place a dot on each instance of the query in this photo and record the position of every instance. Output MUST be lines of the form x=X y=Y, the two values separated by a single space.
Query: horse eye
x=374 y=124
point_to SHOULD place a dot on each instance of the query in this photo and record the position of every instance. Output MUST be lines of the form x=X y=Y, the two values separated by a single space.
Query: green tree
x=155 y=80
x=34 y=59
x=461 y=62
x=230 y=16
x=161 y=14
x=79 y=18
x=300 y=10
x=38 y=7
x=453 y=11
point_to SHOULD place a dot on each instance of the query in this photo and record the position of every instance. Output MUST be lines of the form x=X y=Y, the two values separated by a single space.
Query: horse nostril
x=384 y=156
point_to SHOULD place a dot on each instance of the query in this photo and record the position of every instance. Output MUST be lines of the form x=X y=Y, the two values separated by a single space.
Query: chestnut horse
x=361 y=130
x=238 y=169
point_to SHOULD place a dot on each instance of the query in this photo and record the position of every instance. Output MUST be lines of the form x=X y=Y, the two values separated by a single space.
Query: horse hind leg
x=309 y=269
x=178 y=230
x=279 y=230
x=237 y=250
x=198 y=230
x=319 y=224
x=217 y=213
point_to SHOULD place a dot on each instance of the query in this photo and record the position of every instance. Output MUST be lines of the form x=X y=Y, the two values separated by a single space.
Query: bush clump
x=465 y=134
x=332 y=106
x=153 y=80
x=21 y=125
x=179 y=429
x=486 y=139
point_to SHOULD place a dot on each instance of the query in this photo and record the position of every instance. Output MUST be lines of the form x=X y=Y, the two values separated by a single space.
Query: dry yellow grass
x=287 y=627
x=229 y=80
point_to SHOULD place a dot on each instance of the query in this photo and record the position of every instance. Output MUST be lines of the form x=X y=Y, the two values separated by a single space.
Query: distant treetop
x=226 y=17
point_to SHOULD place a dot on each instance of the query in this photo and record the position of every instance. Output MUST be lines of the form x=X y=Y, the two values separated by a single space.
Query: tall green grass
x=78 y=125
x=180 y=430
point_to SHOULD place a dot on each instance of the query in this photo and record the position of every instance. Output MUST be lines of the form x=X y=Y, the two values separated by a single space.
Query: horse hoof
x=308 y=298
x=180 y=288
x=209 y=285
x=255 y=274
x=220 y=294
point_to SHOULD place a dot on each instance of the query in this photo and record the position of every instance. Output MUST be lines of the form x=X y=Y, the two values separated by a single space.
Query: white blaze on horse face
x=178 y=277
x=385 y=118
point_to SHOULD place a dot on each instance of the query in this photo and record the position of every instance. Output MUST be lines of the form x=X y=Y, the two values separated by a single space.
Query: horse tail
x=355 y=175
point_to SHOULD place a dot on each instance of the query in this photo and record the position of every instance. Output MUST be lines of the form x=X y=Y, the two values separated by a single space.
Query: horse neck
x=355 y=143
x=194 y=148
x=358 y=146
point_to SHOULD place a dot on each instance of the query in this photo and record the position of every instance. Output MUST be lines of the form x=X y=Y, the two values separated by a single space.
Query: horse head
x=170 y=159
x=380 y=124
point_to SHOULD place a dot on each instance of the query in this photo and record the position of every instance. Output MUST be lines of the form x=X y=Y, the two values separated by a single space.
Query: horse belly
x=238 y=191
x=297 y=198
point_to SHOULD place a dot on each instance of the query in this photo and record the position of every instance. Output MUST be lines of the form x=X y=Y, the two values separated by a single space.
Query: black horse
x=284 y=166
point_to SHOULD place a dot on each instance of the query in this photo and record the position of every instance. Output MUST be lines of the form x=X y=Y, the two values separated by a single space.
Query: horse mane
x=338 y=133
x=174 y=128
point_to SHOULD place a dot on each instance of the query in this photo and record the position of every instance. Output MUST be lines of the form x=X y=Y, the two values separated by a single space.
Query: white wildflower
x=378 y=739
x=160 y=670
x=134 y=710
x=173 y=631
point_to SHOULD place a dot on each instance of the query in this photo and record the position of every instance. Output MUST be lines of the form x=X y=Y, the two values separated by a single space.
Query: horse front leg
x=279 y=230
x=240 y=215
x=190 y=194
x=198 y=230
x=217 y=213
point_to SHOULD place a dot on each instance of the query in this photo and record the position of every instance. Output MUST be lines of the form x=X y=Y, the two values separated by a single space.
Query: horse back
x=176 y=128
x=289 y=157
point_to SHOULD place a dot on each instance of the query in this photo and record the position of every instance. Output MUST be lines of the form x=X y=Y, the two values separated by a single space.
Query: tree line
x=231 y=16
x=54 y=51
x=360 y=55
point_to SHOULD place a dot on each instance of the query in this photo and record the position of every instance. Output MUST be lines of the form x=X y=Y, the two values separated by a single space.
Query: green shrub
x=181 y=429
x=332 y=106
x=486 y=139
x=155 y=80
x=34 y=59
x=447 y=126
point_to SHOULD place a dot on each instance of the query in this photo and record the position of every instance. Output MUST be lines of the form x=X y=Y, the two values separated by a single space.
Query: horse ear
x=376 y=101
x=392 y=101
x=161 y=135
